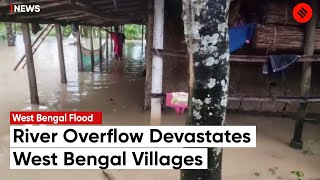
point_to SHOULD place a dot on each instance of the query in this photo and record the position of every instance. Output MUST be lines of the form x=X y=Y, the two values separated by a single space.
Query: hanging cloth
x=278 y=63
x=241 y=35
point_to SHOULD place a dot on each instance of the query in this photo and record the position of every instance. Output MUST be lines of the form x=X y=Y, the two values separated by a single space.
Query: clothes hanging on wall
x=241 y=35
x=278 y=63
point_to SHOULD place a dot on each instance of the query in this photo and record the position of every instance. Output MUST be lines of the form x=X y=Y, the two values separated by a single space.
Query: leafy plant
x=298 y=174
x=133 y=31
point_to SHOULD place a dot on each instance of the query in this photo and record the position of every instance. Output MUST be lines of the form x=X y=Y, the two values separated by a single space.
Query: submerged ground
x=118 y=92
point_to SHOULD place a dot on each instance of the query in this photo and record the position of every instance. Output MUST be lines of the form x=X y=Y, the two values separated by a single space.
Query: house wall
x=245 y=78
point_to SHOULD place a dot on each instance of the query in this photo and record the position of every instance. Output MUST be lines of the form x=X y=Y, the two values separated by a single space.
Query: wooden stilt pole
x=107 y=46
x=148 y=55
x=112 y=50
x=207 y=40
x=100 y=50
x=11 y=38
x=79 y=53
x=296 y=142
x=157 y=61
x=61 y=55
x=142 y=37
x=30 y=65
x=91 y=49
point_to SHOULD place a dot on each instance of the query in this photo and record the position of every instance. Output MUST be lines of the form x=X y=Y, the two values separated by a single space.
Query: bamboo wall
x=245 y=78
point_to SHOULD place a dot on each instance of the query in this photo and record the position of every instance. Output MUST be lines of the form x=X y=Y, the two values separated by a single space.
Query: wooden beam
x=61 y=54
x=91 y=49
x=86 y=7
x=296 y=141
x=79 y=53
x=3 y=3
x=132 y=4
x=284 y=99
x=142 y=37
x=100 y=50
x=157 y=62
x=42 y=15
x=148 y=54
x=107 y=46
x=66 y=16
x=30 y=64
x=73 y=17
x=112 y=48
x=161 y=52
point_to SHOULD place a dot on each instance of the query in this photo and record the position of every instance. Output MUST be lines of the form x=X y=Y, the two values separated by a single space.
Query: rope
x=96 y=52
x=274 y=40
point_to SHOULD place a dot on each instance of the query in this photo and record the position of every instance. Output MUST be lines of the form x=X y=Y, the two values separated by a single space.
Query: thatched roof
x=82 y=12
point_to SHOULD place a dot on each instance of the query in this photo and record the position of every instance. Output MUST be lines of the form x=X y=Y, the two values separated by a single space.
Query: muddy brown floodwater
x=118 y=92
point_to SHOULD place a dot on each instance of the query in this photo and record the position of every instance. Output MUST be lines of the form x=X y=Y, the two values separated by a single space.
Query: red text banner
x=53 y=118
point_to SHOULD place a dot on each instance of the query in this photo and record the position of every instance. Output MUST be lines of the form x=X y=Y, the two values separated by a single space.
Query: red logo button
x=302 y=13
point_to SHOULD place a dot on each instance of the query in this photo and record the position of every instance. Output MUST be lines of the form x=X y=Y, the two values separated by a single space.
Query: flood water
x=118 y=92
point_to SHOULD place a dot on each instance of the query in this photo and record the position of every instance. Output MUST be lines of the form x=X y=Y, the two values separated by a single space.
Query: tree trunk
x=206 y=30
x=10 y=35
x=91 y=49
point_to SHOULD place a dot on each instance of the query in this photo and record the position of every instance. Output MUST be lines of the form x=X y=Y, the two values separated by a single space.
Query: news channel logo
x=302 y=13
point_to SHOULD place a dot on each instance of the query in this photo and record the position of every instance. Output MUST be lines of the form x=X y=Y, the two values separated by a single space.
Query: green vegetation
x=2 y=31
x=133 y=31
x=298 y=174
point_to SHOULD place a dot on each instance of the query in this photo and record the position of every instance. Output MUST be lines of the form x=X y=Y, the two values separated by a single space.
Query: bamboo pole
x=296 y=142
x=148 y=55
x=61 y=54
x=112 y=50
x=107 y=46
x=10 y=34
x=100 y=50
x=36 y=49
x=170 y=53
x=30 y=64
x=35 y=41
x=157 y=62
x=142 y=37
x=285 y=99
x=79 y=53
x=91 y=49
x=207 y=41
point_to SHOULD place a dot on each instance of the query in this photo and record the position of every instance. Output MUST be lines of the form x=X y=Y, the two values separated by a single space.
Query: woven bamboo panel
x=282 y=38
